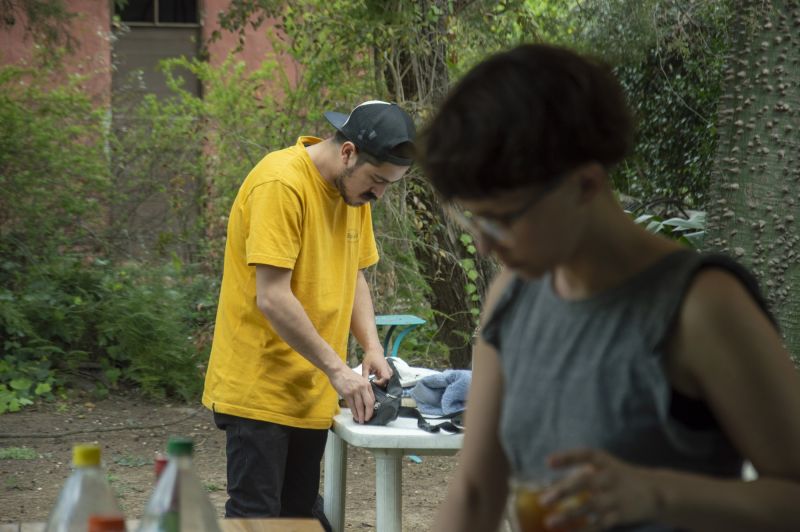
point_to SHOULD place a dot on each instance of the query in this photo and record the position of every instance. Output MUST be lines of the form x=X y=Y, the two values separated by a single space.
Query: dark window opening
x=177 y=11
x=137 y=11
x=167 y=11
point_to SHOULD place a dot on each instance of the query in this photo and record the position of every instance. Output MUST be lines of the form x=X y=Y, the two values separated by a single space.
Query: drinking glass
x=528 y=514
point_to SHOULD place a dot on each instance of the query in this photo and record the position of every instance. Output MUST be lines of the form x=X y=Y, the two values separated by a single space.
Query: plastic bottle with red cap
x=159 y=464
x=179 y=502
x=86 y=494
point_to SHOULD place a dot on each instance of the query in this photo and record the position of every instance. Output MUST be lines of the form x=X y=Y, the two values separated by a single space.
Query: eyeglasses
x=499 y=229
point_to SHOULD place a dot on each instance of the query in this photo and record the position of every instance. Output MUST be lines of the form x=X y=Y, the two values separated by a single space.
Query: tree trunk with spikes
x=754 y=214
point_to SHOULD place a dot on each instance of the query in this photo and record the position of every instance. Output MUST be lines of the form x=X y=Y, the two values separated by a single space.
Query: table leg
x=388 y=489
x=396 y=343
x=387 y=340
x=333 y=492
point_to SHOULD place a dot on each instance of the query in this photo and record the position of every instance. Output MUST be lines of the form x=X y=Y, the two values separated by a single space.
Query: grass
x=131 y=460
x=18 y=453
x=11 y=482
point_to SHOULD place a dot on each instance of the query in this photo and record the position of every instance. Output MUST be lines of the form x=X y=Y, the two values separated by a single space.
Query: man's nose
x=379 y=190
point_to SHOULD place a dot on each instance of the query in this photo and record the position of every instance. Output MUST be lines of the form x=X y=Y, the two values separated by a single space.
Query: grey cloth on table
x=442 y=394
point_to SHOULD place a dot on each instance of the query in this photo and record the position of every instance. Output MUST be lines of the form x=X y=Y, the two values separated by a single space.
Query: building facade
x=114 y=42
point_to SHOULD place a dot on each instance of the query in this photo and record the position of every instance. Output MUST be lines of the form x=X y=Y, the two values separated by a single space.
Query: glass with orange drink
x=528 y=514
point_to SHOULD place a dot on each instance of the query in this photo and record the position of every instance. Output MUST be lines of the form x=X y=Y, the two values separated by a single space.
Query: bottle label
x=170 y=522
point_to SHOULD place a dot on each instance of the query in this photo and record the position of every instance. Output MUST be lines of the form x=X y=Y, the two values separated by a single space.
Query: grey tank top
x=589 y=373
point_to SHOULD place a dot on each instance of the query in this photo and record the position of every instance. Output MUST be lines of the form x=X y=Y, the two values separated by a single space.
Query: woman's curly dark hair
x=525 y=116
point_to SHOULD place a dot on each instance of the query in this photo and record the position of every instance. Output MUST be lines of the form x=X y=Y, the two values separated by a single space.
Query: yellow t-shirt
x=285 y=215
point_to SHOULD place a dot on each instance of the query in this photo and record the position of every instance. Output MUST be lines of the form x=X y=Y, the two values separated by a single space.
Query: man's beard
x=353 y=202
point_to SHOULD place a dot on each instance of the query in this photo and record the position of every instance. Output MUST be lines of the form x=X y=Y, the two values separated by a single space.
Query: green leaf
x=21 y=384
x=13 y=405
x=680 y=223
x=471 y=288
x=43 y=388
x=472 y=275
x=655 y=227
x=695 y=239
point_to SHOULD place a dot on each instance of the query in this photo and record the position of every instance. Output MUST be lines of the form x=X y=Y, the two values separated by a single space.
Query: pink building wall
x=92 y=57
x=257 y=45
x=91 y=28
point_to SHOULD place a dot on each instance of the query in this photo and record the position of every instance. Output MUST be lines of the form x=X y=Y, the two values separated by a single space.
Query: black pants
x=273 y=470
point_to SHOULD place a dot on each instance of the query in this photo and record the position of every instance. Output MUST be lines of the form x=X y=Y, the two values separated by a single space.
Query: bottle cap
x=86 y=455
x=177 y=446
x=106 y=523
x=159 y=464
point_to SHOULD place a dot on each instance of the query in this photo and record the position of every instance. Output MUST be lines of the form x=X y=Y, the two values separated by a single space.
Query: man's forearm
x=281 y=307
x=362 y=323
x=289 y=319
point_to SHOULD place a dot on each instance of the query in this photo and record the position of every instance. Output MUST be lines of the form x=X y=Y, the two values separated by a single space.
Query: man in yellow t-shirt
x=299 y=236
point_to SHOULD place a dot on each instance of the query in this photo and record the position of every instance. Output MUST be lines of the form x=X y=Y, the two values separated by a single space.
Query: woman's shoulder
x=498 y=286
x=723 y=320
x=501 y=292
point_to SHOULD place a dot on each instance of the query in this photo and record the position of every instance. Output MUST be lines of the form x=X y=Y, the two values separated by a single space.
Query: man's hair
x=405 y=150
x=525 y=116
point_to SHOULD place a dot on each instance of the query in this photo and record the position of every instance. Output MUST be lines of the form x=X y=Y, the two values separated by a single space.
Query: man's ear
x=592 y=179
x=347 y=151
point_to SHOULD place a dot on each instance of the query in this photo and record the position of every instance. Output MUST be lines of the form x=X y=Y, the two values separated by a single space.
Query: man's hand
x=374 y=363
x=356 y=392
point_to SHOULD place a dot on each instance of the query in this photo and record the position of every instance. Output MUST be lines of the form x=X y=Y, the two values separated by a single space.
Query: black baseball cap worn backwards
x=376 y=127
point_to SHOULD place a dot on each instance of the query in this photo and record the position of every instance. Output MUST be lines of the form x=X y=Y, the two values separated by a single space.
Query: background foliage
x=669 y=56
x=112 y=232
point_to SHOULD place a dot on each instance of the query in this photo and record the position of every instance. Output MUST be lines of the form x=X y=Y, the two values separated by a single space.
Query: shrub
x=76 y=316
x=53 y=169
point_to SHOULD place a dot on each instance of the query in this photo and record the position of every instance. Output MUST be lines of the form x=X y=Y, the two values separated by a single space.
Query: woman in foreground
x=635 y=372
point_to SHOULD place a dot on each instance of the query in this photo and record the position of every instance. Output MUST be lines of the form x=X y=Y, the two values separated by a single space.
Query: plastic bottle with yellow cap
x=85 y=494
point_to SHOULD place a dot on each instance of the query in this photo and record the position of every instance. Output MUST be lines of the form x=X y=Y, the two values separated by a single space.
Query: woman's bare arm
x=477 y=493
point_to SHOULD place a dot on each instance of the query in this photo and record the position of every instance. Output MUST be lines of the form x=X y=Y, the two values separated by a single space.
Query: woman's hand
x=601 y=492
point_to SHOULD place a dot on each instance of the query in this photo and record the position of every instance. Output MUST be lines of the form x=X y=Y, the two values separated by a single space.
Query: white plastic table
x=388 y=444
